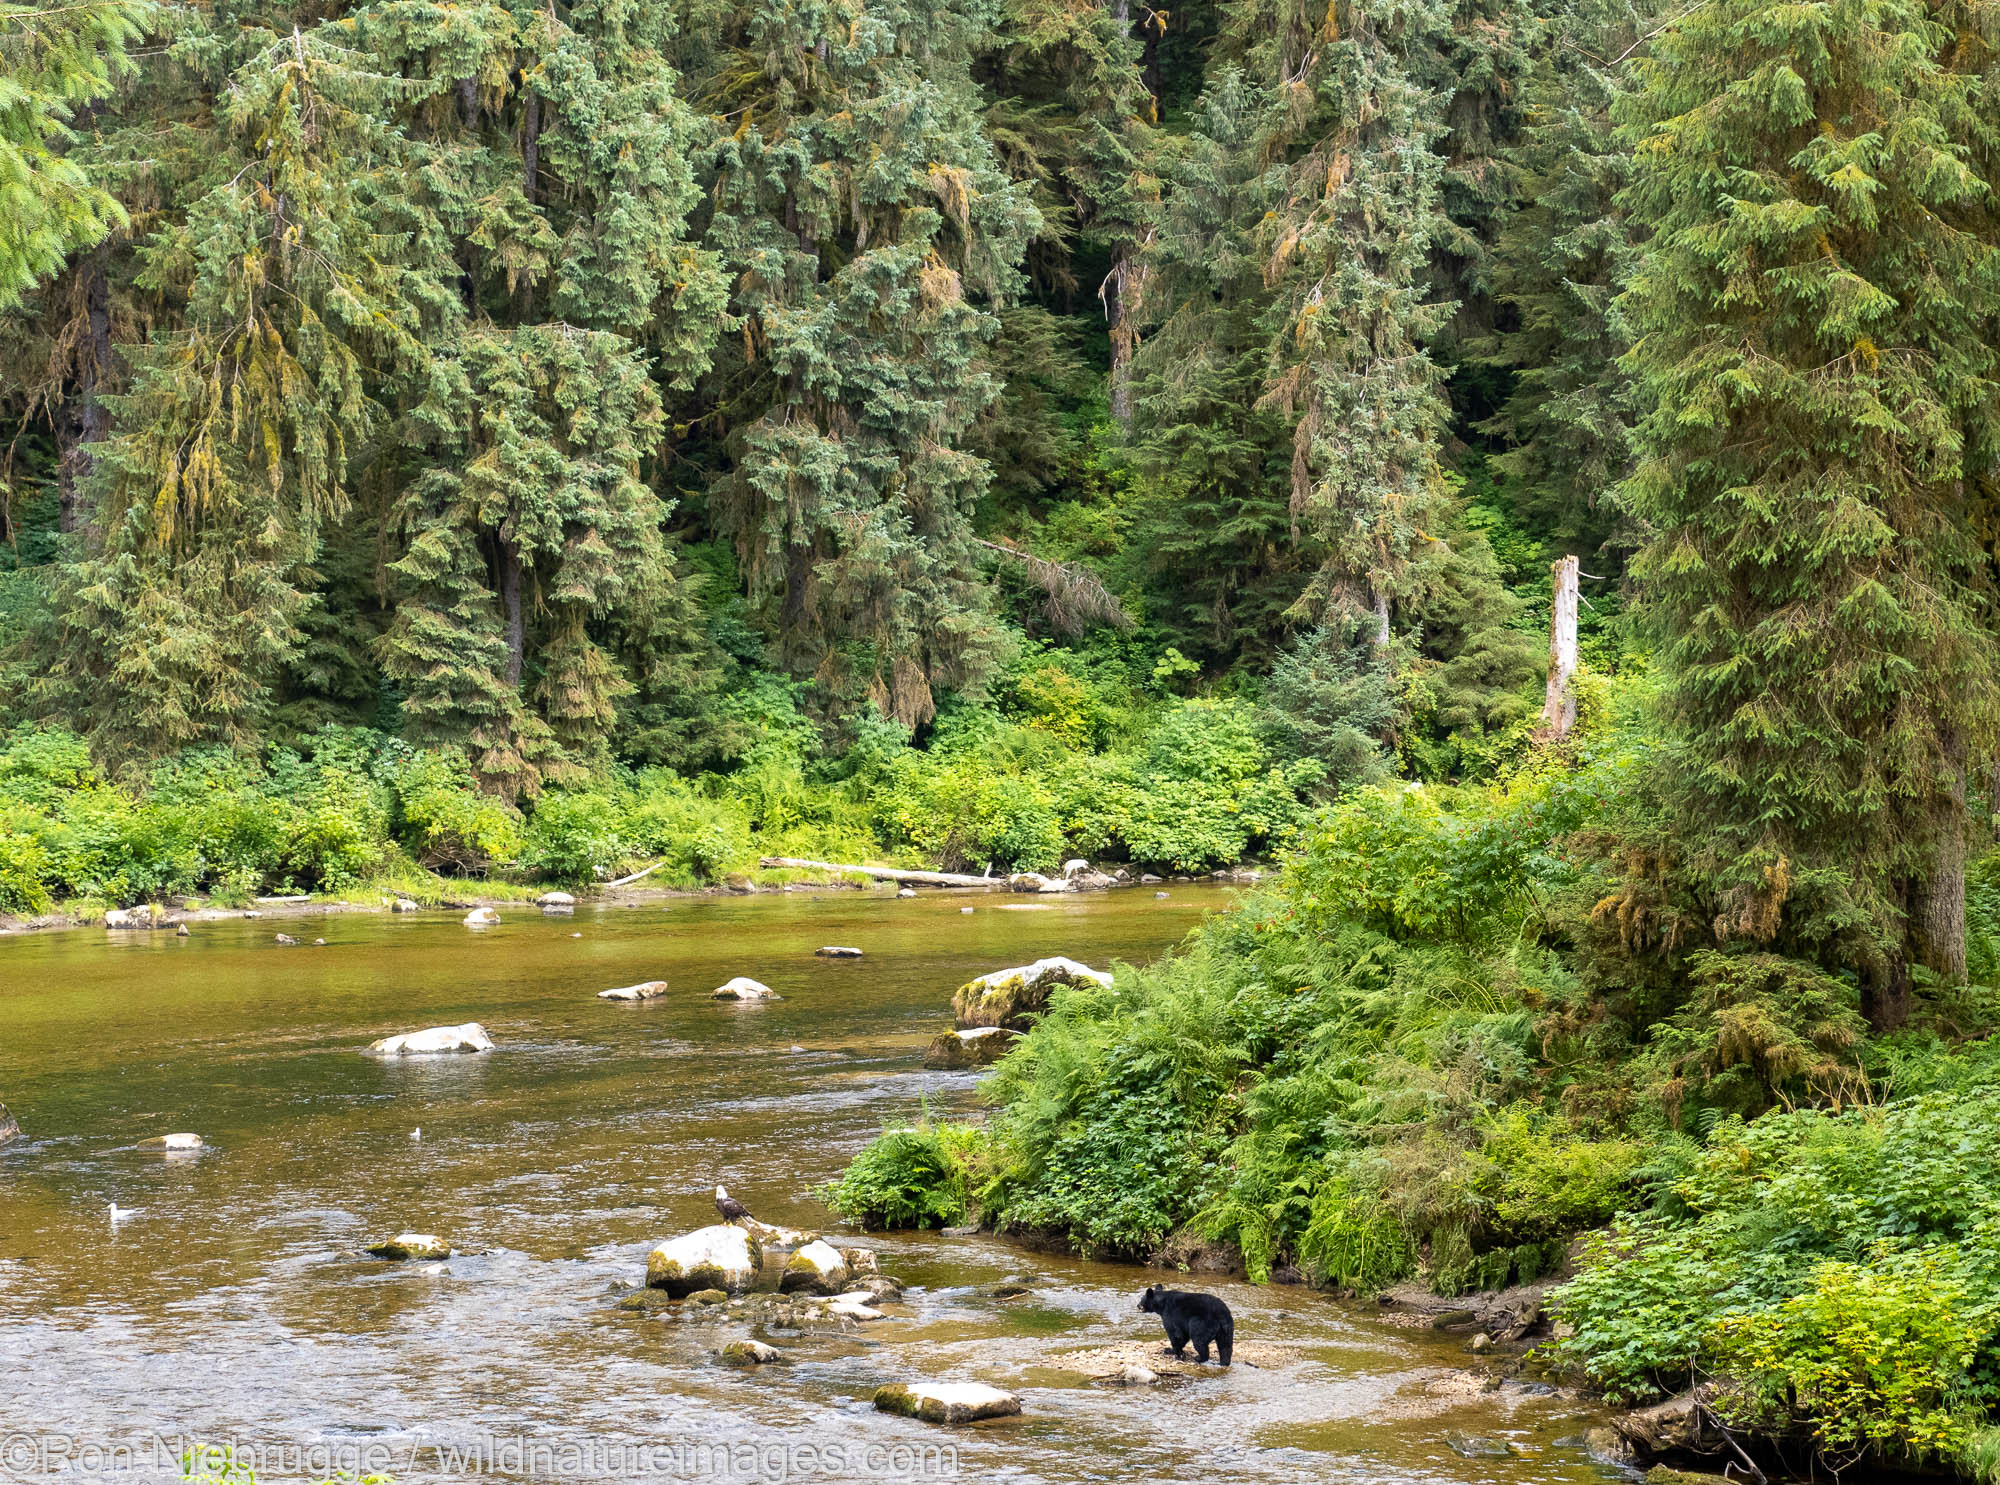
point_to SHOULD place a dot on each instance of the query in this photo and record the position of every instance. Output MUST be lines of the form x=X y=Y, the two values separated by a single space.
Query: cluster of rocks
x=718 y=1275
x=989 y=1013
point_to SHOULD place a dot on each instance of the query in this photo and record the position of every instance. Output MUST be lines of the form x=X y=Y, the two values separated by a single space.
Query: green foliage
x=56 y=62
x=1823 y=599
x=916 y=1177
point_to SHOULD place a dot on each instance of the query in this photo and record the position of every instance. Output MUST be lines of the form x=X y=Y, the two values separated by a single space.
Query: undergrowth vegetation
x=1048 y=770
x=1438 y=1048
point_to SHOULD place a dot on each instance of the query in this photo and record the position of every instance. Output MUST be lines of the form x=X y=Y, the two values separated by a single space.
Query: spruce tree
x=872 y=235
x=303 y=311
x=56 y=63
x=1814 y=341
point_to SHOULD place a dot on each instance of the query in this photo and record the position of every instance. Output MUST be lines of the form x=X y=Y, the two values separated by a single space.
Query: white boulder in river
x=471 y=1037
x=745 y=988
x=181 y=1141
x=720 y=1257
x=946 y=1402
x=817 y=1268
x=645 y=990
x=481 y=917
x=1008 y=997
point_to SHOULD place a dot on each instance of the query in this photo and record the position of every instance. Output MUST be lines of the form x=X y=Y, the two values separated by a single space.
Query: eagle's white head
x=721 y=1193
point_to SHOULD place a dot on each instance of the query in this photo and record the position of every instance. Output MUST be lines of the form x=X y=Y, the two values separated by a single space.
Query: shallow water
x=234 y=1305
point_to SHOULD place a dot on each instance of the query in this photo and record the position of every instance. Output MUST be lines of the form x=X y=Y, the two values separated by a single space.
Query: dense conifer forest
x=528 y=442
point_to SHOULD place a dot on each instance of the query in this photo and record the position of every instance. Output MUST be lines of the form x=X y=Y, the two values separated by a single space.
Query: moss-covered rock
x=407 y=1245
x=946 y=1402
x=817 y=1268
x=1012 y=998
x=980 y=1047
x=750 y=1353
x=718 y=1257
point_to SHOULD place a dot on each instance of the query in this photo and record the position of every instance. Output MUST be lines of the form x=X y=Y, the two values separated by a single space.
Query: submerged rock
x=181 y=1141
x=750 y=1353
x=147 y=915
x=286 y=940
x=709 y=1297
x=644 y=990
x=906 y=891
x=405 y=905
x=408 y=1245
x=481 y=917
x=1136 y=1376
x=745 y=988
x=982 y=1046
x=838 y=951
x=817 y=1268
x=717 y=1257
x=555 y=900
x=1010 y=997
x=471 y=1037
x=946 y=1402
x=9 y=1130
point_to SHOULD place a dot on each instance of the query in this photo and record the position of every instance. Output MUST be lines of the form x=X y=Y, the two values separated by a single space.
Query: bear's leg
x=1177 y=1337
x=1201 y=1349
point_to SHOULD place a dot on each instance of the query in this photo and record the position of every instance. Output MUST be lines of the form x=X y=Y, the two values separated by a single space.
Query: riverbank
x=1447 y=1049
x=442 y=895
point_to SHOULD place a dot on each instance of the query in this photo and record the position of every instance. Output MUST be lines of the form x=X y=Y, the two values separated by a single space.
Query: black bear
x=1200 y=1318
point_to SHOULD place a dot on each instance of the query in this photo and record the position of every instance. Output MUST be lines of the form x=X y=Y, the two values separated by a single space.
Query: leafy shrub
x=915 y=1177
x=447 y=824
x=24 y=870
x=575 y=837
x=1866 y=1357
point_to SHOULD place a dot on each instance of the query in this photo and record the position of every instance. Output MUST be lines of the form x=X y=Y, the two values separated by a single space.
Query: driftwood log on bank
x=888 y=873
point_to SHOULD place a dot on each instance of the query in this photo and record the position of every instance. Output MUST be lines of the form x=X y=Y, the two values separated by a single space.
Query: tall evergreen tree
x=872 y=234
x=56 y=62
x=1557 y=268
x=305 y=315
x=1814 y=326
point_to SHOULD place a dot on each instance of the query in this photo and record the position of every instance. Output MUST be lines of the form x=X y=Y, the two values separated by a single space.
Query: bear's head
x=1150 y=1300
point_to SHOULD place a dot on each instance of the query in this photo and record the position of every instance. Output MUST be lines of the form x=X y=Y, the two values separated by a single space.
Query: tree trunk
x=1381 y=619
x=531 y=144
x=85 y=420
x=510 y=606
x=1117 y=294
x=1937 y=901
x=1559 y=702
x=468 y=101
x=1886 y=993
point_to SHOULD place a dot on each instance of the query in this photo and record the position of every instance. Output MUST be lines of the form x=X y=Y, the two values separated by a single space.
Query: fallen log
x=888 y=873
x=648 y=871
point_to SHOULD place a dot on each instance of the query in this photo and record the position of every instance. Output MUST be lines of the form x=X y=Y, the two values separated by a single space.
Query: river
x=234 y=1303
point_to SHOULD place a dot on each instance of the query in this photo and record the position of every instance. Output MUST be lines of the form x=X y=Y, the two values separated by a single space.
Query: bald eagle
x=732 y=1210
